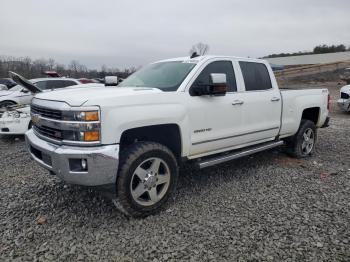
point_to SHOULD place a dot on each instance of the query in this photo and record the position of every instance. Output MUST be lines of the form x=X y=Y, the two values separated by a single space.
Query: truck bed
x=295 y=100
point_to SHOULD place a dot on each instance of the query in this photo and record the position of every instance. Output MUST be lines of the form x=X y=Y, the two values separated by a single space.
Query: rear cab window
x=256 y=76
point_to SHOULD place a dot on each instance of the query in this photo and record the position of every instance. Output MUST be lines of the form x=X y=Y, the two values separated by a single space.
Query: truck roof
x=207 y=57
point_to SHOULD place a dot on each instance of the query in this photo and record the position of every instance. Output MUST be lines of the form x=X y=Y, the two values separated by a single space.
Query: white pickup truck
x=207 y=109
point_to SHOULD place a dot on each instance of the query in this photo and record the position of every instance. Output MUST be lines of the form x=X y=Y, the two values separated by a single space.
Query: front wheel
x=146 y=180
x=5 y=104
x=302 y=144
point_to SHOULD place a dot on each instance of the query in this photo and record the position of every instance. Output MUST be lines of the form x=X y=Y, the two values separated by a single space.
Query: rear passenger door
x=262 y=103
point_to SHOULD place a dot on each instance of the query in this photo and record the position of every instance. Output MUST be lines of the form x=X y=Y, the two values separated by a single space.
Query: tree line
x=34 y=68
x=320 y=49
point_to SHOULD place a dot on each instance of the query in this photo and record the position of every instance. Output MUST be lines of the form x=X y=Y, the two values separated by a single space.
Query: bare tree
x=199 y=48
x=34 y=68
x=51 y=63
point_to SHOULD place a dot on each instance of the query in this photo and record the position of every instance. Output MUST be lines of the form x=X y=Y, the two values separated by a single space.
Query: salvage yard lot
x=264 y=207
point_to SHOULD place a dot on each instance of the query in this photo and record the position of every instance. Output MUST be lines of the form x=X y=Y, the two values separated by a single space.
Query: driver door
x=214 y=120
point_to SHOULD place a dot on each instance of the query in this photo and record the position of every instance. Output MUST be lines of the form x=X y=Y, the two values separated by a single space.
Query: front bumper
x=344 y=104
x=102 y=161
x=14 y=126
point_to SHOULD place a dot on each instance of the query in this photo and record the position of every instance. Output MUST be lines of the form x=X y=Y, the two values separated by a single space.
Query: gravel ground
x=267 y=207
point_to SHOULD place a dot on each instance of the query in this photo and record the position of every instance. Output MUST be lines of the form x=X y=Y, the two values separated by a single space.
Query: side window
x=41 y=85
x=256 y=76
x=54 y=84
x=65 y=83
x=223 y=67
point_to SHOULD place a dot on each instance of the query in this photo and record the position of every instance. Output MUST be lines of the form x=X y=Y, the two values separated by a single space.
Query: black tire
x=6 y=103
x=295 y=146
x=132 y=158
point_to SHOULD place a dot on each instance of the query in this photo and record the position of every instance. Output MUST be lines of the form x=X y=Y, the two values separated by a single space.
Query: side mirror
x=111 y=80
x=217 y=86
x=3 y=88
x=25 y=91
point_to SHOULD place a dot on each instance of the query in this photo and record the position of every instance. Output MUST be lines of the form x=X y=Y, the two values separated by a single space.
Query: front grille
x=58 y=124
x=49 y=132
x=344 y=95
x=46 y=112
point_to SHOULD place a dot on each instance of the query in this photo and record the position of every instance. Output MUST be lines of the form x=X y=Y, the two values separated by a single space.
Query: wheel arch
x=312 y=114
x=8 y=100
x=168 y=135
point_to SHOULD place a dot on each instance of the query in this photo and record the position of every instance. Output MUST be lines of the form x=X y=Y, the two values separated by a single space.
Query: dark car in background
x=7 y=82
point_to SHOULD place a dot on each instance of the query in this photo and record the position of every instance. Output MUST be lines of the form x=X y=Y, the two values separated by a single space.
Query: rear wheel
x=302 y=144
x=146 y=180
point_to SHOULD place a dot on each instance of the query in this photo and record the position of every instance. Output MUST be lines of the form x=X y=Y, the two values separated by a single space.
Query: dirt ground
x=264 y=207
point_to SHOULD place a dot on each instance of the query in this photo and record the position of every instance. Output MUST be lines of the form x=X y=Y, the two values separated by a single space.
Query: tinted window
x=256 y=76
x=65 y=83
x=41 y=85
x=222 y=67
x=54 y=84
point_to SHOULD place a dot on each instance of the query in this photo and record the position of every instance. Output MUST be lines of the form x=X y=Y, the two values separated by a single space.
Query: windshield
x=166 y=76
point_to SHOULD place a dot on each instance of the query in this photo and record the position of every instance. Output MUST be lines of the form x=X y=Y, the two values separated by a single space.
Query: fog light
x=78 y=165
x=84 y=164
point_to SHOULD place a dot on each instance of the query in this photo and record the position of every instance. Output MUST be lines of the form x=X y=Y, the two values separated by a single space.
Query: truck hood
x=80 y=96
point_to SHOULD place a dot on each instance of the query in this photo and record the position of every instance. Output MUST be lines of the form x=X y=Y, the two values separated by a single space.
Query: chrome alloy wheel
x=150 y=181
x=308 y=141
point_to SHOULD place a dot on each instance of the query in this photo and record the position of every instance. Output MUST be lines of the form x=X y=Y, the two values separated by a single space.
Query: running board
x=241 y=153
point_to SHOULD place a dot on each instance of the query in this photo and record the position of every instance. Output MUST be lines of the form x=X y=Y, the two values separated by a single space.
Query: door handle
x=237 y=102
x=275 y=99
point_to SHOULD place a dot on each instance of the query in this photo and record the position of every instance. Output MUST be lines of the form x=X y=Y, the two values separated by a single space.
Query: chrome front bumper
x=102 y=161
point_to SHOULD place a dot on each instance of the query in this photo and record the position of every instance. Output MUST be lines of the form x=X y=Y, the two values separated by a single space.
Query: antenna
x=194 y=54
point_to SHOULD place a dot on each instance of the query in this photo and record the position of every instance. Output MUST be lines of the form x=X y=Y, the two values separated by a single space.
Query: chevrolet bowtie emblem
x=35 y=119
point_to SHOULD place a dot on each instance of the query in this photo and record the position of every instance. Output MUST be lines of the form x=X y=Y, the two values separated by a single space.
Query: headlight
x=81 y=116
x=71 y=126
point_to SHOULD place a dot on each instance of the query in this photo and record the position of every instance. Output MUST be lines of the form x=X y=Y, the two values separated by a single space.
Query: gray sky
x=132 y=33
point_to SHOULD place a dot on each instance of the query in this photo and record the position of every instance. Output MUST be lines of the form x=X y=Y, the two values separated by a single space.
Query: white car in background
x=16 y=119
x=344 y=101
x=18 y=95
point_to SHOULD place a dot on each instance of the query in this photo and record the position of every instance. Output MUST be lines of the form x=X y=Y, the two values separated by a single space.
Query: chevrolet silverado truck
x=204 y=109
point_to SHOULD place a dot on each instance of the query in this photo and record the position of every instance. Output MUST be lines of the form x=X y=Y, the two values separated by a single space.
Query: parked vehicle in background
x=3 y=88
x=22 y=96
x=86 y=81
x=16 y=120
x=8 y=82
x=207 y=110
x=344 y=101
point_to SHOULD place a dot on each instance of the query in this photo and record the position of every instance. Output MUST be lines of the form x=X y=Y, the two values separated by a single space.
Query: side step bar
x=241 y=153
